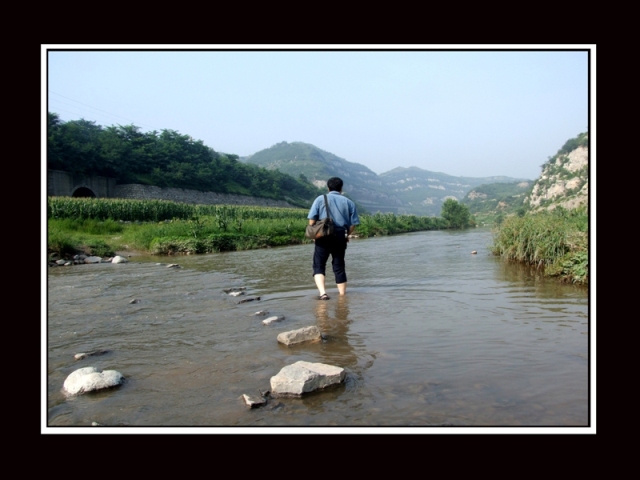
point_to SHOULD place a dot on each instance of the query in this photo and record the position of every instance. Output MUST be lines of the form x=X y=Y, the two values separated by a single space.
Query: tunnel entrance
x=84 y=192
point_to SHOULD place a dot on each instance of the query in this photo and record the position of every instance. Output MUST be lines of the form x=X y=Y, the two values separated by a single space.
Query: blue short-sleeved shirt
x=343 y=210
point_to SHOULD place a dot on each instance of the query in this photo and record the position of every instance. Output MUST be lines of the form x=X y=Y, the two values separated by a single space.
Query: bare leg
x=319 y=279
x=342 y=288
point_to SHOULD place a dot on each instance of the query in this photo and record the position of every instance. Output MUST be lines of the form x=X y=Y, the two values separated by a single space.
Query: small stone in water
x=254 y=402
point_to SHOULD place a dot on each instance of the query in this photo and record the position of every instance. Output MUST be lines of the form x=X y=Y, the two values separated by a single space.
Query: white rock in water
x=303 y=377
x=88 y=379
x=275 y=318
x=119 y=259
x=305 y=334
x=235 y=294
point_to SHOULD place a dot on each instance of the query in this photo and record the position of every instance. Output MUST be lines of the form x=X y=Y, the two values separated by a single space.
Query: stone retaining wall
x=65 y=184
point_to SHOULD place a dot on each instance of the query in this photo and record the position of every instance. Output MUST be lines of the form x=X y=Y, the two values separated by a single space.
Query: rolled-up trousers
x=336 y=246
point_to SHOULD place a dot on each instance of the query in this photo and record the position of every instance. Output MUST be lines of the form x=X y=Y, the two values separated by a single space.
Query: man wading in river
x=345 y=217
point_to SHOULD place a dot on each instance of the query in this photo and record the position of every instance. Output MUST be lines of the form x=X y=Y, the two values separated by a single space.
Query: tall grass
x=556 y=240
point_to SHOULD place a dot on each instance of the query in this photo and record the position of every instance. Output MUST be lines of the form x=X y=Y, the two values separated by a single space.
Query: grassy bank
x=104 y=226
x=556 y=241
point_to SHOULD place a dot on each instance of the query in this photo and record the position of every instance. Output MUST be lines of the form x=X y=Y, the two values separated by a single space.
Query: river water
x=432 y=337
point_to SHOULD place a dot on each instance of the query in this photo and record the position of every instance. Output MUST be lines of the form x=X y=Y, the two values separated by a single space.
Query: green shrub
x=99 y=248
x=61 y=244
x=557 y=241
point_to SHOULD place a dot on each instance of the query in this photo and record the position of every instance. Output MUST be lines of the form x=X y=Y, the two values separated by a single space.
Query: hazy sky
x=477 y=113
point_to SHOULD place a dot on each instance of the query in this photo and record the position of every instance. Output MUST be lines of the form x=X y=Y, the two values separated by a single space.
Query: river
x=433 y=338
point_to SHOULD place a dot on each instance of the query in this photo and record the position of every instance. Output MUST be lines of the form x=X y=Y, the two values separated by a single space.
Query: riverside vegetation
x=556 y=240
x=103 y=226
x=546 y=226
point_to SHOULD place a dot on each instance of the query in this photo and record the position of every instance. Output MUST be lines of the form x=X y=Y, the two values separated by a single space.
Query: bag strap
x=326 y=205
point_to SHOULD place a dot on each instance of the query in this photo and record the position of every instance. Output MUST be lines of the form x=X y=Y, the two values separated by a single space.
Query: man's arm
x=313 y=212
x=355 y=219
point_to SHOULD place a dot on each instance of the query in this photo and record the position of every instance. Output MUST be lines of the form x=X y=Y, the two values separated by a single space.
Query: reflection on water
x=429 y=335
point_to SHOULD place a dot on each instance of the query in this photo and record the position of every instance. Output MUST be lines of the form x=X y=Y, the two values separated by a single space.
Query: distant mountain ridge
x=402 y=190
x=425 y=191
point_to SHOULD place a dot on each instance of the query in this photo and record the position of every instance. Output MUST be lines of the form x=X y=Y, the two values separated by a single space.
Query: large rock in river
x=88 y=379
x=303 y=377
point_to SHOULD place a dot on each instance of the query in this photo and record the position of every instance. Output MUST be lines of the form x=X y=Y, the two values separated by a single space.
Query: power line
x=99 y=110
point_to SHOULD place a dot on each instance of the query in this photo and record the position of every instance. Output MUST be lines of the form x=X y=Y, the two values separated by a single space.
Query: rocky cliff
x=564 y=180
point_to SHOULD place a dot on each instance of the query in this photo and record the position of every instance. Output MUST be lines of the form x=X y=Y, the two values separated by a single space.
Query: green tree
x=455 y=213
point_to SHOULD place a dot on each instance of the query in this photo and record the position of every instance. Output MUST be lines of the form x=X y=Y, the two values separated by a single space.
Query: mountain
x=401 y=190
x=317 y=165
x=564 y=181
x=489 y=201
x=423 y=192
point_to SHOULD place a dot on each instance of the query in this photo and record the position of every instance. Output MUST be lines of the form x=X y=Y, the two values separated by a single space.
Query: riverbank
x=555 y=241
x=102 y=227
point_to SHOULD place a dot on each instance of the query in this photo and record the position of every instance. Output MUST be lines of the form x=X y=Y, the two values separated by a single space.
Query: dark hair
x=334 y=184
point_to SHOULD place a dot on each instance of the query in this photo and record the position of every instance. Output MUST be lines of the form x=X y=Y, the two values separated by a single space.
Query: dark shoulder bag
x=322 y=228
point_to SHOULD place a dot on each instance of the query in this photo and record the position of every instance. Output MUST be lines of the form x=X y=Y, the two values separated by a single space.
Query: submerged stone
x=306 y=334
x=275 y=318
x=249 y=299
x=80 y=356
x=234 y=289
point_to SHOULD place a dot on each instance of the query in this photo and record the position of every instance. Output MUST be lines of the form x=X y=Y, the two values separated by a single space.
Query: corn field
x=165 y=227
x=157 y=210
